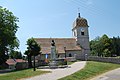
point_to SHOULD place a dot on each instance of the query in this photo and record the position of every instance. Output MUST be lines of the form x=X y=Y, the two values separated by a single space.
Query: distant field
x=91 y=69
x=16 y=75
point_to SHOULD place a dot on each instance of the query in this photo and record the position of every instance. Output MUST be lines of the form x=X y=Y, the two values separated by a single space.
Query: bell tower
x=81 y=33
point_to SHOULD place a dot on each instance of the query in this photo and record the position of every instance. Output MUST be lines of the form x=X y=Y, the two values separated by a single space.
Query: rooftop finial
x=78 y=12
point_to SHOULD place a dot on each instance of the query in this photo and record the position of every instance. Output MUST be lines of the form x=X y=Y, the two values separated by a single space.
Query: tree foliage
x=8 y=29
x=33 y=49
x=105 y=46
x=115 y=46
x=15 y=54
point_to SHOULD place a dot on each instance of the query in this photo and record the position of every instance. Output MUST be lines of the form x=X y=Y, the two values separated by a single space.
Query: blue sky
x=54 y=18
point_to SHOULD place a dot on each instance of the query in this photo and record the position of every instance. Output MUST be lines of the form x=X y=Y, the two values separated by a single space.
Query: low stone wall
x=21 y=65
x=24 y=65
x=105 y=59
x=71 y=59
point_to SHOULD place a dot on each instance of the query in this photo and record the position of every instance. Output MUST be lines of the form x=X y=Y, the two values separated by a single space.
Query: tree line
x=105 y=46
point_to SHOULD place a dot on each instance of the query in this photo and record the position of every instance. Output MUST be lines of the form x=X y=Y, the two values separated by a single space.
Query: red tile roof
x=69 y=43
x=20 y=60
x=80 y=22
x=11 y=62
x=14 y=61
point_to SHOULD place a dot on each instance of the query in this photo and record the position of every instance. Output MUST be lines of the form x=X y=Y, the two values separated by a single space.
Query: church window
x=82 y=33
x=70 y=55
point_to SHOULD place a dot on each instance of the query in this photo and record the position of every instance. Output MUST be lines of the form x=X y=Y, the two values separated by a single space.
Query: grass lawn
x=91 y=69
x=16 y=75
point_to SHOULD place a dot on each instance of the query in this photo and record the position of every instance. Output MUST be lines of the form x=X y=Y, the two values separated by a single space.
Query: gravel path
x=59 y=73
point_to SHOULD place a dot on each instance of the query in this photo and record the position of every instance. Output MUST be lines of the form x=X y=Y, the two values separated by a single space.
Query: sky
x=54 y=18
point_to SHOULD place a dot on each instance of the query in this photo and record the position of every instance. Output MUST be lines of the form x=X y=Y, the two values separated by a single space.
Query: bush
x=4 y=66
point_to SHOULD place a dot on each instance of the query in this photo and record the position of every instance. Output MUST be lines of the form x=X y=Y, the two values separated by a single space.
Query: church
x=77 y=46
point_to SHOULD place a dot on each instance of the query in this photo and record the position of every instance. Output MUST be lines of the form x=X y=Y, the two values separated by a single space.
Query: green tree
x=115 y=46
x=33 y=49
x=28 y=53
x=15 y=54
x=106 y=45
x=101 y=46
x=8 y=29
x=94 y=46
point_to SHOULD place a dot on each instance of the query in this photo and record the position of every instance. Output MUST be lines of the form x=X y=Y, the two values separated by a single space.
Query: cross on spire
x=79 y=13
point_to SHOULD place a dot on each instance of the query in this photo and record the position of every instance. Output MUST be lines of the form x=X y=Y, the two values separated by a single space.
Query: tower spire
x=79 y=13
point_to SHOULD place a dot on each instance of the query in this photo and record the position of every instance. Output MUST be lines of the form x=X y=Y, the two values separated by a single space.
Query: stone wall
x=76 y=54
x=71 y=59
x=21 y=65
x=105 y=59
x=24 y=65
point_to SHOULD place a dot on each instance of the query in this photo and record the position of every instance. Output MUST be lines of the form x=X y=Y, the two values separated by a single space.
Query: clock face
x=82 y=29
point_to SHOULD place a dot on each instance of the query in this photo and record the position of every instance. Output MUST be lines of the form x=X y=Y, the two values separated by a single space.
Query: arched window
x=70 y=55
x=82 y=33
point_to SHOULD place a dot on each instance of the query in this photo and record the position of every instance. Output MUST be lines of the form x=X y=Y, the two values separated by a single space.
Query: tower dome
x=80 y=22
